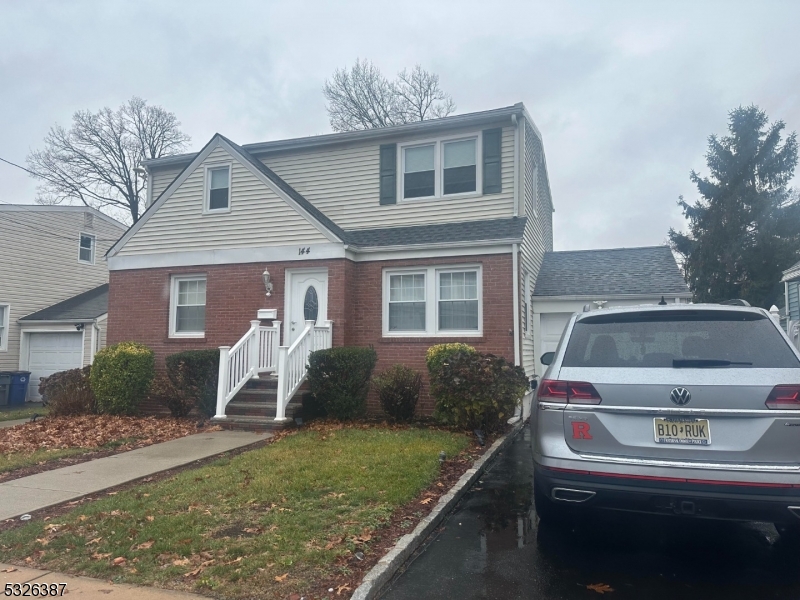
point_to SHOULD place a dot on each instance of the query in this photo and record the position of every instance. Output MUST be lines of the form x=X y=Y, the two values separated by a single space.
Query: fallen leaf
x=120 y=560
x=181 y=562
x=342 y=588
x=600 y=588
x=145 y=545
x=281 y=578
x=43 y=541
x=150 y=518
x=194 y=573
x=98 y=556
x=94 y=541
x=9 y=570
x=426 y=500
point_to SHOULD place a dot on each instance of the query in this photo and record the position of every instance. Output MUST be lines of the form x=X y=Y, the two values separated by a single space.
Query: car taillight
x=568 y=392
x=784 y=397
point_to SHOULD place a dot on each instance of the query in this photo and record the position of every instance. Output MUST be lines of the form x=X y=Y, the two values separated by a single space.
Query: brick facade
x=139 y=308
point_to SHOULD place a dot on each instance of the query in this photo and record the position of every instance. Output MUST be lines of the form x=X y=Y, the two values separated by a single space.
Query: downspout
x=517 y=138
x=95 y=333
x=515 y=276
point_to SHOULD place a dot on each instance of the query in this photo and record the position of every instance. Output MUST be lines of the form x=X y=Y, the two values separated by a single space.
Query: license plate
x=696 y=432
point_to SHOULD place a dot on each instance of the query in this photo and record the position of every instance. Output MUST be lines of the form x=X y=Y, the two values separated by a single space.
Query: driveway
x=492 y=547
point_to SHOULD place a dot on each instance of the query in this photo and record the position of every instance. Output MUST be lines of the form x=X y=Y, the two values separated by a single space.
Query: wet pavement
x=493 y=547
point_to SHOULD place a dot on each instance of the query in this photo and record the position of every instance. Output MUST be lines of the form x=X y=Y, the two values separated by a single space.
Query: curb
x=385 y=569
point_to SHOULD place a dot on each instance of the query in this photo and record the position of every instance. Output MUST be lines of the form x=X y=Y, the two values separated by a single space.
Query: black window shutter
x=388 y=173
x=492 y=181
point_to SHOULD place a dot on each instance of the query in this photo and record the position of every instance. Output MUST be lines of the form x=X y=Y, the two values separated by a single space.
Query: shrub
x=164 y=392
x=439 y=354
x=477 y=391
x=398 y=390
x=195 y=374
x=121 y=377
x=339 y=378
x=68 y=393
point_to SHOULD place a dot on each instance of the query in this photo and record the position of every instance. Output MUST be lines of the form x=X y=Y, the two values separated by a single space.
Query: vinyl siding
x=793 y=310
x=258 y=217
x=40 y=263
x=162 y=179
x=343 y=184
x=538 y=235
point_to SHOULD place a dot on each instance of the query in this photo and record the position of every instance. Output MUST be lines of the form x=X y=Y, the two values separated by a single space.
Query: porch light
x=267 y=282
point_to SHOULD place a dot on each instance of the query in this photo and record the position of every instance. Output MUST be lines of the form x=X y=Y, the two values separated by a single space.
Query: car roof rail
x=735 y=302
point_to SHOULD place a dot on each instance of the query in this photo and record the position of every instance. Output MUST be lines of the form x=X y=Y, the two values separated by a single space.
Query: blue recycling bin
x=18 y=389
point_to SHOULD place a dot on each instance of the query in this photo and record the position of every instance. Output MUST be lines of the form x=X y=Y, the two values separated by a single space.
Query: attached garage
x=52 y=352
x=575 y=281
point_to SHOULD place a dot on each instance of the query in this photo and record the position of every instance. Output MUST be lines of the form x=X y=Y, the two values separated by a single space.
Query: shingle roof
x=469 y=231
x=83 y=307
x=648 y=271
x=791 y=273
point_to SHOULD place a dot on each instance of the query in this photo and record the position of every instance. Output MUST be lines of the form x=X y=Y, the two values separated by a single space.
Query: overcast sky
x=624 y=93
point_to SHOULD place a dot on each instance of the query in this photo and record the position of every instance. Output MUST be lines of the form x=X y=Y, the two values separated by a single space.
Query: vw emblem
x=680 y=396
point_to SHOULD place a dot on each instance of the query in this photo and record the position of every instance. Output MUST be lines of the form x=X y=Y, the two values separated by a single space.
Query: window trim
x=438 y=166
x=93 y=237
x=207 y=210
x=173 y=305
x=5 y=323
x=432 y=273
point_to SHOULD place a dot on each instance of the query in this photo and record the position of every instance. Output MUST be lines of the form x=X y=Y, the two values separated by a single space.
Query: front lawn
x=52 y=438
x=267 y=523
x=12 y=414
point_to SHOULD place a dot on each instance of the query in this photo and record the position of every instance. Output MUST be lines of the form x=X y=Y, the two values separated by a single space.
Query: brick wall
x=139 y=308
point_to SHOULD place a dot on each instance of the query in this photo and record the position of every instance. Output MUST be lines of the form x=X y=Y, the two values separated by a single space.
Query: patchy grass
x=22 y=413
x=12 y=462
x=264 y=524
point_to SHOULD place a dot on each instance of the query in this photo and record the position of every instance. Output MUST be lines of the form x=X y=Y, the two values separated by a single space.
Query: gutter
x=438 y=245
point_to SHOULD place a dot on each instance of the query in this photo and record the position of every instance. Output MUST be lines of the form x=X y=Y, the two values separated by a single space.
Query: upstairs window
x=218 y=182
x=4 y=317
x=86 y=249
x=440 y=168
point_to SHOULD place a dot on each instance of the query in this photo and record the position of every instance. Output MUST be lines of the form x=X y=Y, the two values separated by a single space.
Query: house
x=399 y=238
x=575 y=281
x=791 y=317
x=53 y=287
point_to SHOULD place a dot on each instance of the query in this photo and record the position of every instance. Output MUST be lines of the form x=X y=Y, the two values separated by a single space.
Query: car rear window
x=655 y=339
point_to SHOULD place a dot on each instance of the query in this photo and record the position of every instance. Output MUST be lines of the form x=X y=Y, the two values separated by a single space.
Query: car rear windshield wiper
x=704 y=363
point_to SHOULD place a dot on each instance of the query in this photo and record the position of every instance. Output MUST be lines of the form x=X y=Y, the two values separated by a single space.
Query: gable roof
x=791 y=273
x=47 y=208
x=266 y=175
x=510 y=229
x=647 y=271
x=83 y=307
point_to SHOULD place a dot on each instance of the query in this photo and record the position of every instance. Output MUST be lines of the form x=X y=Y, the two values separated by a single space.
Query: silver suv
x=689 y=410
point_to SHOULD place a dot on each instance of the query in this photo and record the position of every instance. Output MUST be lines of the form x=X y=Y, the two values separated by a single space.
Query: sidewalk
x=4 y=424
x=86 y=588
x=27 y=494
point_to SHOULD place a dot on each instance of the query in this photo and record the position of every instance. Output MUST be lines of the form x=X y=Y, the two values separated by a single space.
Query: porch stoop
x=253 y=408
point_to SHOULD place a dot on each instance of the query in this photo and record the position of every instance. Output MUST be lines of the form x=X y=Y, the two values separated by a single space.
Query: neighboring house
x=791 y=317
x=575 y=281
x=53 y=287
x=399 y=238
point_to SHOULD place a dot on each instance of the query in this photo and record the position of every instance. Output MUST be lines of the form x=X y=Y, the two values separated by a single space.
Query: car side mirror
x=547 y=358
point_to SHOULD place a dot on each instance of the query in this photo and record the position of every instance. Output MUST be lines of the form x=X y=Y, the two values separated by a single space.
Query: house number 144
x=306 y=250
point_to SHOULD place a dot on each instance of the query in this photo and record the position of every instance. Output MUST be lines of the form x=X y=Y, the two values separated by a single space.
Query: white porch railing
x=258 y=351
x=255 y=353
x=293 y=361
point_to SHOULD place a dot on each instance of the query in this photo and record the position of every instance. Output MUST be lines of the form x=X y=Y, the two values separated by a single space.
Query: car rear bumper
x=656 y=495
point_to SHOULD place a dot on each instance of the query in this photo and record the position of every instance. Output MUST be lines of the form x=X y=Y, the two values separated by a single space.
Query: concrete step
x=255 y=424
x=263 y=409
x=258 y=396
x=265 y=382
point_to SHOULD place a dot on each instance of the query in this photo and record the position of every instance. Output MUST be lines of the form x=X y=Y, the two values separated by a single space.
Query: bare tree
x=362 y=98
x=93 y=162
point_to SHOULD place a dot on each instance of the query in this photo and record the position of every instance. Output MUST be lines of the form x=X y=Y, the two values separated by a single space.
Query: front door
x=307 y=300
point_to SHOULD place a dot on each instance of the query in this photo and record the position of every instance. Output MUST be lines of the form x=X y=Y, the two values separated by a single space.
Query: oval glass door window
x=311 y=304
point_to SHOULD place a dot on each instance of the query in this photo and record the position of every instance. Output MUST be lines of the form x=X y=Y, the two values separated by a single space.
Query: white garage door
x=49 y=353
x=552 y=325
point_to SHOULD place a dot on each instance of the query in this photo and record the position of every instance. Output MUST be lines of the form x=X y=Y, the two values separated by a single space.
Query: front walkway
x=86 y=588
x=27 y=494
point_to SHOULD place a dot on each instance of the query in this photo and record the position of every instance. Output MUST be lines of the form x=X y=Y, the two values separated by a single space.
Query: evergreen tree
x=745 y=229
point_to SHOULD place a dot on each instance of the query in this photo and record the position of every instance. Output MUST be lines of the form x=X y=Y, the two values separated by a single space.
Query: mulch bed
x=91 y=432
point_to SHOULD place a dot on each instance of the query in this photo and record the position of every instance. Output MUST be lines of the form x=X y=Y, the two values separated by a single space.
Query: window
x=188 y=314
x=440 y=168
x=432 y=301
x=218 y=182
x=5 y=309
x=86 y=248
